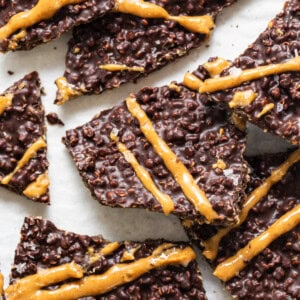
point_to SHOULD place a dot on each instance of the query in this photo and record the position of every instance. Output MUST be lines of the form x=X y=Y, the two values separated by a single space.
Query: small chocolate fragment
x=23 y=147
x=275 y=106
x=196 y=130
x=46 y=30
x=274 y=273
x=139 y=44
x=9 y=72
x=43 y=246
x=53 y=119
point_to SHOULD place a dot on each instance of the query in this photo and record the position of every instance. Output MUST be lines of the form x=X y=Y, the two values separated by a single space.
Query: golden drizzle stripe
x=1 y=284
x=5 y=102
x=242 y=98
x=233 y=265
x=116 y=68
x=191 y=81
x=37 y=188
x=29 y=154
x=217 y=66
x=200 y=24
x=181 y=174
x=66 y=90
x=109 y=248
x=145 y=178
x=44 y=9
x=211 y=245
x=222 y=83
x=31 y=287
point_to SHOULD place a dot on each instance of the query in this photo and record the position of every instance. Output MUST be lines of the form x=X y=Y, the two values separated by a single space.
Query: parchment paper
x=72 y=206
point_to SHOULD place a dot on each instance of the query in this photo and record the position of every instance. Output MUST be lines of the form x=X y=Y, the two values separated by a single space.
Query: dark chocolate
x=274 y=273
x=53 y=119
x=64 y=20
x=195 y=129
x=278 y=43
x=131 y=41
x=44 y=246
x=21 y=125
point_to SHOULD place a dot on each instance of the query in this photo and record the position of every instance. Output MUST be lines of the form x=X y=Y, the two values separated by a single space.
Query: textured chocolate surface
x=274 y=273
x=22 y=124
x=43 y=246
x=132 y=41
x=279 y=42
x=64 y=20
x=196 y=130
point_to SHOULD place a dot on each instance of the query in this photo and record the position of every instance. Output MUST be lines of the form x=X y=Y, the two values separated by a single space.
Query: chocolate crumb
x=53 y=119
x=9 y=72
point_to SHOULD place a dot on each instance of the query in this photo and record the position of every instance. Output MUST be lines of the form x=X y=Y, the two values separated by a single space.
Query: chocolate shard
x=23 y=147
x=273 y=273
x=172 y=269
x=198 y=133
x=49 y=27
x=138 y=45
x=276 y=103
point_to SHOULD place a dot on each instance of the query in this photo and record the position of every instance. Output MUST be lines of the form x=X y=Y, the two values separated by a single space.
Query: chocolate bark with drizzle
x=273 y=273
x=43 y=247
x=23 y=148
x=276 y=105
x=45 y=30
x=196 y=130
x=129 y=41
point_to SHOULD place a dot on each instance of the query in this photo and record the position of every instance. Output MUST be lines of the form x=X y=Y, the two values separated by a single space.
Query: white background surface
x=72 y=206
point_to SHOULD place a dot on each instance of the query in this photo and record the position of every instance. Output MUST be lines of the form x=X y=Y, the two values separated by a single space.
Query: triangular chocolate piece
x=263 y=84
x=26 y=24
x=119 y=48
x=23 y=147
x=73 y=266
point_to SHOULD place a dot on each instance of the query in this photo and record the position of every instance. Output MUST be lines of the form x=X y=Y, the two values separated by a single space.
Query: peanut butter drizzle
x=180 y=173
x=217 y=66
x=211 y=245
x=129 y=254
x=268 y=107
x=145 y=178
x=220 y=164
x=116 y=68
x=191 y=81
x=44 y=9
x=66 y=90
x=109 y=248
x=242 y=98
x=5 y=102
x=140 y=8
x=29 y=154
x=31 y=287
x=222 y=83
x=1 y=284
x=39 y=187
x=239 y=122
x=234 y=264
x=106 y=250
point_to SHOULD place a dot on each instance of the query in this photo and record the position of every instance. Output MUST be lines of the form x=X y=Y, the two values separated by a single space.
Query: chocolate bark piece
x=196 y=130
x=274 y=273
x=23 y=148
x=276 y=105
x=43 y=246
x=50 y=28
x=121 y=39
